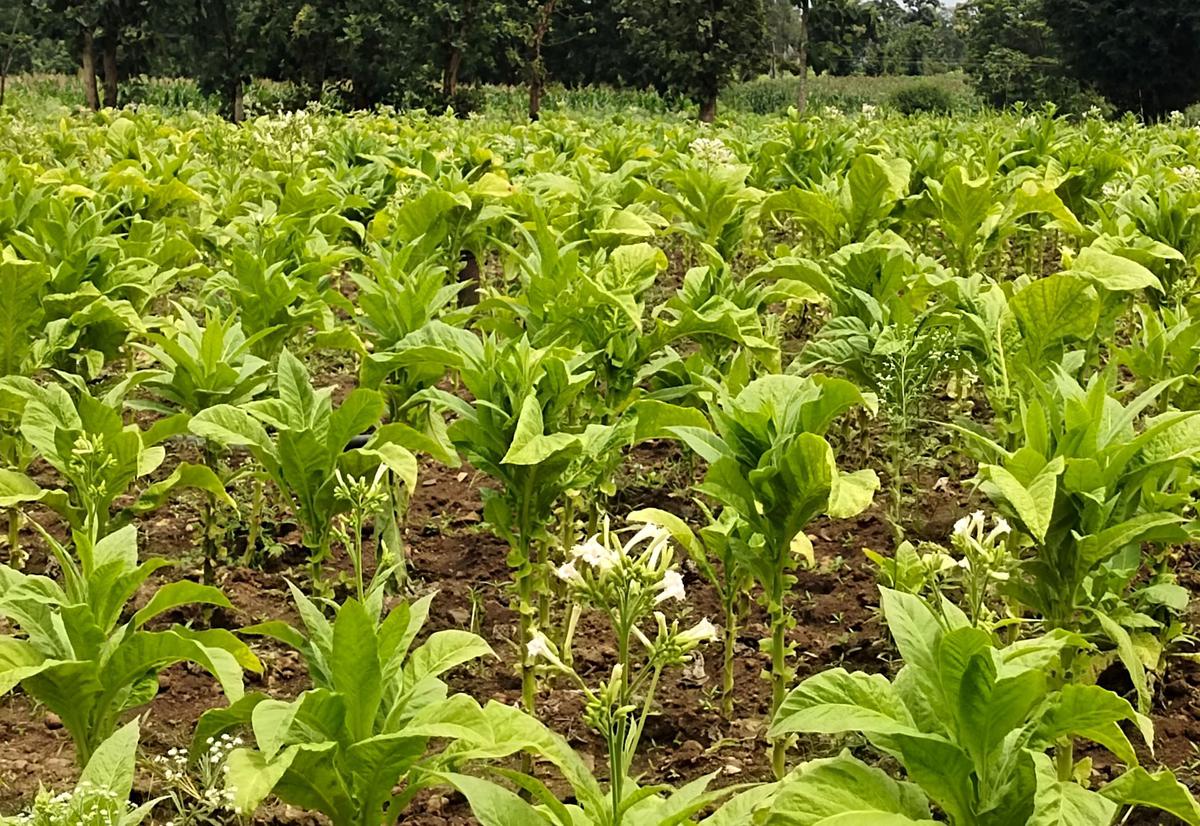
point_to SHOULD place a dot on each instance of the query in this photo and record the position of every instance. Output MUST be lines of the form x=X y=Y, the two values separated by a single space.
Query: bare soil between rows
x=450 y=552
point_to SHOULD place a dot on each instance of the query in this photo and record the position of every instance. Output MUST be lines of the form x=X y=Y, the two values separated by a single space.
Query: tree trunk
x=535 y=99
x=237 y=101
x=802 y=57
x=537 y=68
x=90 y=92
x=450 y=73
x=708 y=107
x=110 y=71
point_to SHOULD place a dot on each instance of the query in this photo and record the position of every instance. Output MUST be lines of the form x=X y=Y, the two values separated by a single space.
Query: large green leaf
x=355 y=667
x=175 y=594
x=1161 y=790
x=836 y=701
x=443 y=651
x=1032 y=503
x=1113 y=272
x=232 y=427
x=492 y=804
x=530 y=444
x=842 y=790
x=112 y=764
x=1055 y=309
x=1065 y=802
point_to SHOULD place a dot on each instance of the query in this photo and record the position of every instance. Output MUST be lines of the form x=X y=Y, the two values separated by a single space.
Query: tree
x=1144 y=57
x=1013 y=54
x=695 y=46
x=536 y=67
x=581 y=49
x=841 y=35
x=917 y=37
x=231 y=41
x=15 y=38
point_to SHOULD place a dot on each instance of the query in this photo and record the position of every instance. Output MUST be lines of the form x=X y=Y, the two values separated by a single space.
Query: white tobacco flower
x=568 y=573
x=703 y=631
x=712 y=151
x=671 y=587
x=1002 y=528
x=595 y=553
x=540 y=648
x=970 y=526
x=868 y=110
x=1189 y=175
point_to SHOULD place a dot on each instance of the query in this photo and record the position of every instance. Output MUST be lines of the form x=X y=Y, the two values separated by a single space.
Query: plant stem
x=727 y=664
x=253 y=529
x=14 y=539
x=778 y=679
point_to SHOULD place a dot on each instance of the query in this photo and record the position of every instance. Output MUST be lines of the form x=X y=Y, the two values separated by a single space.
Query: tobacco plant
x=85 y=655
x=310 y=442
x=378 y=724
x=769 y=463
x=971 y=723
x=516 y=429
x=1091 y=487
x=84 y=438
x=201 y=367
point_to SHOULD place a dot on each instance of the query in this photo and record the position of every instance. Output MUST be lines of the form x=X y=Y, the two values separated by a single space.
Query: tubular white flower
x=1002 y=528
x=540 y=648
x=703 y=631
x=596 y=554
x=568 y=573
x=671 y=587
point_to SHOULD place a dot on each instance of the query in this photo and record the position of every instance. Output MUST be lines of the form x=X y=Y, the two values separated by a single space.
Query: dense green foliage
x=813 y=309
x=407 y=54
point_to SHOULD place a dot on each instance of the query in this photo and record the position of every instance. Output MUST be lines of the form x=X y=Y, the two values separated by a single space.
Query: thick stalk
x=209 y=522
x=254 y=528
x=543 y=600
x=727 y=663
x=616 y=744
x=316 y=562
x=14 y=539
x=778 y=687
x=1064 y=749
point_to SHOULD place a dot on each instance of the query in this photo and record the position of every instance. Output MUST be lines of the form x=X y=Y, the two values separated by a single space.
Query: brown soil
x=835 y=605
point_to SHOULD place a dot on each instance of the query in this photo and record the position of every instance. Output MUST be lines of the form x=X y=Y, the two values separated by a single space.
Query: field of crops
x=838 y=469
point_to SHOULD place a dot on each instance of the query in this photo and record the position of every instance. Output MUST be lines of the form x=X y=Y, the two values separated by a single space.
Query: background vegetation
x=754 y=55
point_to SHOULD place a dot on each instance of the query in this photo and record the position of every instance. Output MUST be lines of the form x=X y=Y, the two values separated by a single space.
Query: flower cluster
x=642 y=566
x=1112 y=190
x=629 y=580
x=197 y=789
x=87 y=805
x=712 y=152
x=869 y=111
x=360 y=493
x=985 y=550
x=1188 y=175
